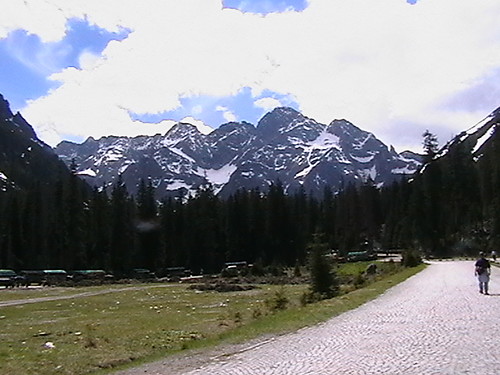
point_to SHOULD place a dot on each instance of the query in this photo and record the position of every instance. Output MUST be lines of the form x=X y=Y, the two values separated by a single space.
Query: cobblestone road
x=434 y=323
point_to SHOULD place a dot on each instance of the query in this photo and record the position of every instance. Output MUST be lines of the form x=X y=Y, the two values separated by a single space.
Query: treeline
x=451 y=208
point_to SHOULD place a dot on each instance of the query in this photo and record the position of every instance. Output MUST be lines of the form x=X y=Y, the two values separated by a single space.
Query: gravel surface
x=436 y=322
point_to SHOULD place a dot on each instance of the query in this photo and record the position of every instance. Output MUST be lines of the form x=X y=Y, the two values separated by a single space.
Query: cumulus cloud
x=200 y=125
x=267 y=103
x=387 y=66
x=88 y=60
x=226 y=113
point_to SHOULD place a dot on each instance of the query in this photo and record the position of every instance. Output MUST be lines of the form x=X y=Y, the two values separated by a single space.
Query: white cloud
x=88 y=60
x=267 y=103
x=380 y=64
x=200 y=125
x=226 y=113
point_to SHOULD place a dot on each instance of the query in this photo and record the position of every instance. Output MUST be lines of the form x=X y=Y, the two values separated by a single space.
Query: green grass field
x=126 y=325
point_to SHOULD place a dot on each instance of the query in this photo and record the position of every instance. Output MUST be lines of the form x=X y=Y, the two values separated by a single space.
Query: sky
x=395 y=68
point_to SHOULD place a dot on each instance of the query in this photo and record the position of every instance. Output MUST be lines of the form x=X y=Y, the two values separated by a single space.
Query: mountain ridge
x=25 y=160
x=284 y=146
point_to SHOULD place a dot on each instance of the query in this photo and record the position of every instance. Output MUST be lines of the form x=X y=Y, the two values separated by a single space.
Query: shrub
x=279 y=301
x=411 y=258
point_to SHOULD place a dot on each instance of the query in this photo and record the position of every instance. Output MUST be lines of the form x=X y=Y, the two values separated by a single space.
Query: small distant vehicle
x=7 y=278
x=32 y=277
x=359 y=256
x=176 y=273
x=81 y=275
x=337 y=257
x=55 y=277
x=233 y=269
x=142 y=274
x=42 y=277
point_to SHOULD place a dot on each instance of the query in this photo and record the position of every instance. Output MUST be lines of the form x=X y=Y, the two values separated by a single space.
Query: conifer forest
x=452 y=207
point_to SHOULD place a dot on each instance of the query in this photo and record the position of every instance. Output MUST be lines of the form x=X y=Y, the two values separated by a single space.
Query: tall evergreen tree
x=148 y=228
x=98 y=230
x=430 y=145
x=204 y=240
x=122 y=244
x=324 y=281
x=279 y=227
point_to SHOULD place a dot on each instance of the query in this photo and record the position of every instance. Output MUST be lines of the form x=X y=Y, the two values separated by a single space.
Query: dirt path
x=75 y=295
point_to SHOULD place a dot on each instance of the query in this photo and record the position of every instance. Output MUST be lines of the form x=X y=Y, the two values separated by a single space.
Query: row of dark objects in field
x=241 y=272
x=26 y=278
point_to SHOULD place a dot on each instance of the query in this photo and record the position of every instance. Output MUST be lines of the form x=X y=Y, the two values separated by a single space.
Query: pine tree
x=324 y=282
x=122 y=244
x=148 y=228
x=427 y=209
x=430 y=145
x=205 y=235
x=75 y=202
x=98 y=230
x=494 y=215
x=348 y=232
x=279 y=227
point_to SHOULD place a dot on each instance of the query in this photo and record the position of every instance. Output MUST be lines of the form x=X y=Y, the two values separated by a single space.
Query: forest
x=450 y=208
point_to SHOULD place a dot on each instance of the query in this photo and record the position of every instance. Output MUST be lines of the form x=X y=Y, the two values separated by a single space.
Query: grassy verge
x=99 y=332
x=295 y=318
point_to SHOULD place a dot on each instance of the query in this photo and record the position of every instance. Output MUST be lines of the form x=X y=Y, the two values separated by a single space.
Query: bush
x=279 y=301
x=359 y=280
x=411 y=258
x=309 y=297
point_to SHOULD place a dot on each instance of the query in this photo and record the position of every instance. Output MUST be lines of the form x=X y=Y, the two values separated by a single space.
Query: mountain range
x=285 y=146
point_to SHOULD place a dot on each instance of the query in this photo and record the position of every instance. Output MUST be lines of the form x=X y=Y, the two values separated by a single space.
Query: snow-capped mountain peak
x=285 y=146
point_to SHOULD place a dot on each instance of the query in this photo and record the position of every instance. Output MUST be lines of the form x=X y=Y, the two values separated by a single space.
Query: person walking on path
x=482 y=271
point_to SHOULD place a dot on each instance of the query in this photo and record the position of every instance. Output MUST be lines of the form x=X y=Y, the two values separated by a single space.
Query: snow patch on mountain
x=403 y=171
x=177 y=184
x=124 y=167
x=363 y=159
x=325 y=140
x=483 y=139
x=182 y=154
x=87 y=172
x=368 y=174
x=219 y=176
x=110 y=155
x=361 y=143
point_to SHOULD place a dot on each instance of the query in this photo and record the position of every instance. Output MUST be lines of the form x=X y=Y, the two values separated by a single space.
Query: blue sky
x=27 y=62
x=391 y=67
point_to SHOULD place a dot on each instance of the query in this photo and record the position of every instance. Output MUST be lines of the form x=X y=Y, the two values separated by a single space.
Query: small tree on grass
x=410 y=258
x=324 y=282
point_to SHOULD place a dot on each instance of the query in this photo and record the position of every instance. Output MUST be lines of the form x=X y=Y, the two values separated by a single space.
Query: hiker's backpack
x=480 y=270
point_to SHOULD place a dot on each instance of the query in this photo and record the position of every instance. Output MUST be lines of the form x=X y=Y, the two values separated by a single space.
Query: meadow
x=101 y=328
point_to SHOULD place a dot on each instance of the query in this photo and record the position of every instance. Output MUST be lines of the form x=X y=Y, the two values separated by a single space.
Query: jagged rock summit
x=285 y=146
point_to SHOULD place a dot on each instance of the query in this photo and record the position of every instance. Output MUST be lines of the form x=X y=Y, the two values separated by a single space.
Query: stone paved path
x=434 y=323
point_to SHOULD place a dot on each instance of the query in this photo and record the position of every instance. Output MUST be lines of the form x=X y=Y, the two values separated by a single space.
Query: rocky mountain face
x=24 y=159
x=476 y=140
x=285 y=146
